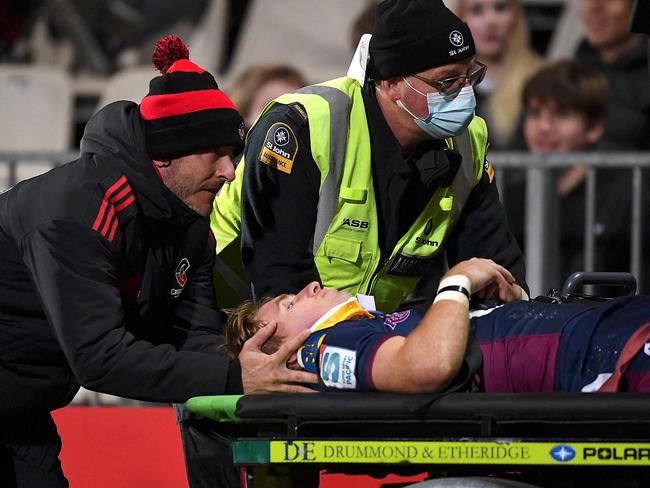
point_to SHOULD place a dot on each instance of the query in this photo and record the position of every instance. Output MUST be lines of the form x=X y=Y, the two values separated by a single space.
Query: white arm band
x=456 y=280
x=457 y=288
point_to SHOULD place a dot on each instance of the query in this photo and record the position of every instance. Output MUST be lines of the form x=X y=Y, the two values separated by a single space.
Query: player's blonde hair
x=242 y=325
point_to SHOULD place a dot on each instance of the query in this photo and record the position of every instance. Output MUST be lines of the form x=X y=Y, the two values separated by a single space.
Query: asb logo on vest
x=360 y=224
x=280 y=147
x=181 y=277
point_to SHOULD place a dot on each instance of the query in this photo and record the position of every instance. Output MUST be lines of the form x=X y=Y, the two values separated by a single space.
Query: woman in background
x=502 y=42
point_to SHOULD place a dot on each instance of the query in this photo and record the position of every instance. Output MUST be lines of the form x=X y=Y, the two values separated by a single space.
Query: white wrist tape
x=456 y=296
x=457 y=288
x=456 y=280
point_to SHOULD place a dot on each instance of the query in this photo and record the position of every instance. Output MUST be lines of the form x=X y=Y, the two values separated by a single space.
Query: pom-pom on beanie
x=185 y=112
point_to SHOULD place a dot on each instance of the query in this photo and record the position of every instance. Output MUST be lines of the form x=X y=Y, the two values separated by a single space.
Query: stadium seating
x=207 y=40
x=309 y=34
x=36 y=114
x=128 y=84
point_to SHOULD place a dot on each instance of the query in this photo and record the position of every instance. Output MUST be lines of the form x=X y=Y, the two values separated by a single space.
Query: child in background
x=564 y=105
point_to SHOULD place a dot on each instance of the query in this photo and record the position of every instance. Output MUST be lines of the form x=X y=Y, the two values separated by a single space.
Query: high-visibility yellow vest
x=345 y=245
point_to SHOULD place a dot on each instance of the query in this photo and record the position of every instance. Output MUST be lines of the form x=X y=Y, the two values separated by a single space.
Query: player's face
x=295 y=313
x=197 y=178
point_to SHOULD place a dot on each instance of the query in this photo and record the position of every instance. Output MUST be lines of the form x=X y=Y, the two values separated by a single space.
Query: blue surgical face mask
x=448 y=116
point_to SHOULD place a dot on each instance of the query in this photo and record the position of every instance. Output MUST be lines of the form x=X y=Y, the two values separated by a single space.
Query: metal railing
x=539 y=215
x=11 y=160
x=540 y=253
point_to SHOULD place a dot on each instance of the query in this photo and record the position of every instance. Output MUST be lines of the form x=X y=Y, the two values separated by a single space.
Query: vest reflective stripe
x=339 y=105
x=464 y=179
x=225 y=219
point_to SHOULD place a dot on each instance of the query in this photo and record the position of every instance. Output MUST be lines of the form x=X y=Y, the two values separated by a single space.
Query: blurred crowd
x=597 y=98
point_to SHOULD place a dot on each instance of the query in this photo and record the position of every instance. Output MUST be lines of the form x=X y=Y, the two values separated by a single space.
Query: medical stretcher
x=548 y=439
x=530 y=437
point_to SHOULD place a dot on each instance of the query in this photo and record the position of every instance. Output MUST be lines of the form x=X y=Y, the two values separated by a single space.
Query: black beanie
x=410 y=36
x=185 y=112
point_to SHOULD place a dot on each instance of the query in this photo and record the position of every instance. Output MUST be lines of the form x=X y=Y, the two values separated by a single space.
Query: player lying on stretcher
x=525 y=346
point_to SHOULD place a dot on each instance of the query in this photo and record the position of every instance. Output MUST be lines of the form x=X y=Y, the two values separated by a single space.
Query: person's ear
x=391 y=88
x=162 y=164
x=270 y=323
x=594 y=132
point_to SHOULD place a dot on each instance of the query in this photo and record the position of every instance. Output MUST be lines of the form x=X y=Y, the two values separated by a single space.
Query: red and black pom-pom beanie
x=185 y=112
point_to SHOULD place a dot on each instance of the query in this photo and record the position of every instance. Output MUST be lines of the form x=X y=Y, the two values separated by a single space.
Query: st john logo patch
x=280 y=147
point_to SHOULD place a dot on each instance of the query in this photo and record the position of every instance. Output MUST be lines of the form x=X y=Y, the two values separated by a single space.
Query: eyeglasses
x=449 y=86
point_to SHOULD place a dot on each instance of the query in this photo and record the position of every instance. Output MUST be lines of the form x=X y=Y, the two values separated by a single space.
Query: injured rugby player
x=521 y=345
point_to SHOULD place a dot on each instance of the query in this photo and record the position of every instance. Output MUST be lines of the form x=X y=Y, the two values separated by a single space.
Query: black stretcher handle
x=627 y=281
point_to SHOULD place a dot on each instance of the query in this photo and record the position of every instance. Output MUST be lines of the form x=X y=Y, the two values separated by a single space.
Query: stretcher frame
x=528 y=437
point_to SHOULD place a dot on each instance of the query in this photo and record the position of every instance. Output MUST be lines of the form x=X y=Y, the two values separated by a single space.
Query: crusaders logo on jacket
x=181 y=277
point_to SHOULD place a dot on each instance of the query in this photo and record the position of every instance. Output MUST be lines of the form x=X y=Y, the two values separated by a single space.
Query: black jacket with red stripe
x=106 y=281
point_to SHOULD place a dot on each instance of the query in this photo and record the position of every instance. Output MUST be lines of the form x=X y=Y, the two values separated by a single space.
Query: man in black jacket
x=106 y=269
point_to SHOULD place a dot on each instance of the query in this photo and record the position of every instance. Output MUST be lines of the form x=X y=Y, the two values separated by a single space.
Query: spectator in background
x=260 y=84
x=622 y=57
x=502 y=43
x=564 y=107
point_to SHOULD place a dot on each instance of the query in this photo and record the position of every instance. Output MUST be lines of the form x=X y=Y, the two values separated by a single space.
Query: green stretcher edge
x=221 y=408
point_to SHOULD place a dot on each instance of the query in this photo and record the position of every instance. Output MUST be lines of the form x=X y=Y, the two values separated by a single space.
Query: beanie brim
x=420 y=55
x=192 y=133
